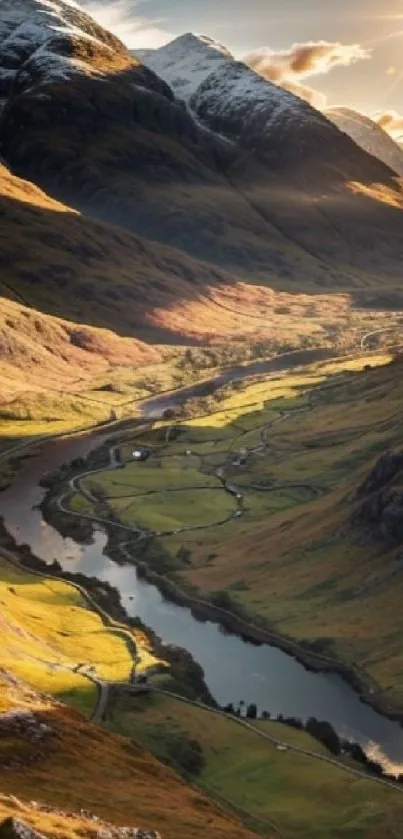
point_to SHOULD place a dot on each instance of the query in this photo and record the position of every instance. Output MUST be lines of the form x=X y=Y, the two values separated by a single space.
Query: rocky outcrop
x=385 y=469
x=13 y=828
x=380 y=510
x=24 y=724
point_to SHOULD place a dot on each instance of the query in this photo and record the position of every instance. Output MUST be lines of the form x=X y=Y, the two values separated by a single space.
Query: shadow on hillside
x=145 y=165
x=76 y=268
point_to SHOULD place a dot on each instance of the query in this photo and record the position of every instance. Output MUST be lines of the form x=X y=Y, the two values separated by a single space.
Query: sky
x=359 y=62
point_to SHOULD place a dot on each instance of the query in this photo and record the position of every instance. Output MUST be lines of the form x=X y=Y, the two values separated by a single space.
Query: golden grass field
x=47 y=629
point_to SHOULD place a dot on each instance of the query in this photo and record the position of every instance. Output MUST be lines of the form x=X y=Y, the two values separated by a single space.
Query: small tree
x=251 y=711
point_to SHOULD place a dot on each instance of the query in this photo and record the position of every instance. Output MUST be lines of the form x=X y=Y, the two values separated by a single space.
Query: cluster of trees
x=243 y=710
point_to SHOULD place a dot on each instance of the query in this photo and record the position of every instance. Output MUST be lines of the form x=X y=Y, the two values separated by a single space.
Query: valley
x=201 y=452
x=253 y=421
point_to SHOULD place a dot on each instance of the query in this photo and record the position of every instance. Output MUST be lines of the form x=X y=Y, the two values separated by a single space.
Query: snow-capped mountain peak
x=186 y=62
x=40 y=38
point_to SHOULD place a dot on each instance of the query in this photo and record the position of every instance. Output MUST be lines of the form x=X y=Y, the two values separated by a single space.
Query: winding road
x=151 y=409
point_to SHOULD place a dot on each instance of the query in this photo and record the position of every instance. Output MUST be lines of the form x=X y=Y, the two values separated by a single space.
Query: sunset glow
x=357 y=47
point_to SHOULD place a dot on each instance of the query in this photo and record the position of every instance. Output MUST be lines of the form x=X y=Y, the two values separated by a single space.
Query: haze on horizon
x=348 y=56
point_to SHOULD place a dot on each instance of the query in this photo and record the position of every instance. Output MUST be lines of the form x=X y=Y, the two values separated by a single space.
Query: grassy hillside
x=66 y=264
x=279 y=792
x=83 y=770
x=55 y=780
x=76 y=769
x=343 y=582
x=47 y=629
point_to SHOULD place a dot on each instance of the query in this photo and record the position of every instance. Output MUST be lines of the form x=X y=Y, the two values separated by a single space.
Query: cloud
x=290 y=67
x=303 y=60
x=390 y=121
x=315 y=98
x=120 y=17
x=391 y=71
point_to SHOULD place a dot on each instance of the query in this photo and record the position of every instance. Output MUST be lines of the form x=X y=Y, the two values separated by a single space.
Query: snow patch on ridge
x=29 y=33
x=186 y=62
x=221 y=90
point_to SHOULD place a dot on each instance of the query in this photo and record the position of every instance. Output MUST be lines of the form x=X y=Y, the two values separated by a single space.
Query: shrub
x=325 y=733
x=184 y=754
x=251 y=711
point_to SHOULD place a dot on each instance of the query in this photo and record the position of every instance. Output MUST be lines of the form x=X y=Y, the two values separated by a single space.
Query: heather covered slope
x=81 y=299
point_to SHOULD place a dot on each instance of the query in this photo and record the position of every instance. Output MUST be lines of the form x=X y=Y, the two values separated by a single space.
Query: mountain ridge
x=369 y=135
x=147 y=164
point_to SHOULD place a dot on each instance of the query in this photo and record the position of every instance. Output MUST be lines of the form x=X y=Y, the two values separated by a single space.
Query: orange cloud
x=315 y=98
x=390 y=121
x=303 y=60
x=289 y=68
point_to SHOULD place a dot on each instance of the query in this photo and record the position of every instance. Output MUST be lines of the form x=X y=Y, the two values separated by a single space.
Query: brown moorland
x=83 y=770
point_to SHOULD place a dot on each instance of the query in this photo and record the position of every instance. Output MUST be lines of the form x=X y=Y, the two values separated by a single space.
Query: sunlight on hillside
x=47 y=629
x=378 y=192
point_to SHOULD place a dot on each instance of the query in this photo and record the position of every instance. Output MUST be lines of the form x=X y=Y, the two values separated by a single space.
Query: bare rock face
x=24 y=739
x=24 y=724
x=15 y=829
x=385 y=469
x=381 y=507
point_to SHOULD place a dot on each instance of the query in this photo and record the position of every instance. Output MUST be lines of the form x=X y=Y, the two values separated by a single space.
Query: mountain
x=253 y=180
x=369 y=135
x=108 y=138
x=298 y=171
x=186 y=62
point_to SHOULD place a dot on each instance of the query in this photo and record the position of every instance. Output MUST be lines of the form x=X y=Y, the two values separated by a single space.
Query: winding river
x=234 y=669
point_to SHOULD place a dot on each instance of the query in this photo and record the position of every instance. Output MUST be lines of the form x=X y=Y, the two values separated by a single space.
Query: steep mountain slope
x=303 y=176
x=71 y=288
x=286 y=196
x=186 y=62
x=143 y=163
x=369 y=135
